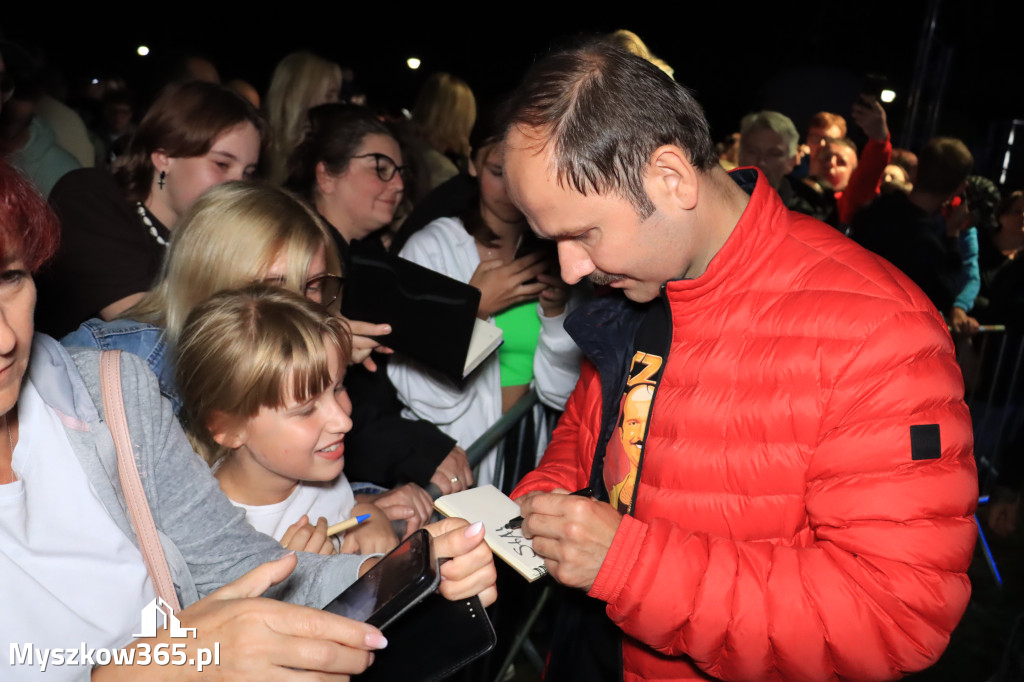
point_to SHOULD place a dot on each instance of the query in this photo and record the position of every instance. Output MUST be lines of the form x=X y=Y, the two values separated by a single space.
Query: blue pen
x=346 y=524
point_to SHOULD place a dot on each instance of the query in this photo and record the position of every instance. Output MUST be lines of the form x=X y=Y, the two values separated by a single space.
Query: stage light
x=413 y=62
x=142 y=50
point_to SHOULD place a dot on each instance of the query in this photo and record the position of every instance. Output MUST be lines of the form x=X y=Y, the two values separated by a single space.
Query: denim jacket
x=138 y=338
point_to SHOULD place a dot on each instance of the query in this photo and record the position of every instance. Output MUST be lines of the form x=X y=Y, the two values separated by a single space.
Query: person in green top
x=489 y=245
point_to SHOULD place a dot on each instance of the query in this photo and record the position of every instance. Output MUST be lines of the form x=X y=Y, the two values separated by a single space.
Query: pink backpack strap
x=131 y=485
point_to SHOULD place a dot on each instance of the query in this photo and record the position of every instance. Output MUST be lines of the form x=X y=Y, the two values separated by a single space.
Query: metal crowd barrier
x=993 y=366
x=492 y=436
x=519 y=428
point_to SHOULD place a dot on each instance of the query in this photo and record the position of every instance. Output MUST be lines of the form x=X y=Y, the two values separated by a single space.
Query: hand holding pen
x=572 y=532
x=517 y=522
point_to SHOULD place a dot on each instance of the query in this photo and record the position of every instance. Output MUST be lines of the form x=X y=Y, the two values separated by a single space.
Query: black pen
x=517 y=522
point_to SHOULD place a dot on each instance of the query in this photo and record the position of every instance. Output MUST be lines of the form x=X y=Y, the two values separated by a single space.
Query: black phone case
x=432 y=640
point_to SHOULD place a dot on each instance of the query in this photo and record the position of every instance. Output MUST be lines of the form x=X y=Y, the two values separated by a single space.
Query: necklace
x=149 y=223
x=10 y=440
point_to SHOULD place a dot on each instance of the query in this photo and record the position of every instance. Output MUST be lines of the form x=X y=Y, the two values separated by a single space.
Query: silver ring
x=455 y=479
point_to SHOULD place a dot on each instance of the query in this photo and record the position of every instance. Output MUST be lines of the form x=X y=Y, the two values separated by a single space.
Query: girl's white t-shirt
x=331 y=499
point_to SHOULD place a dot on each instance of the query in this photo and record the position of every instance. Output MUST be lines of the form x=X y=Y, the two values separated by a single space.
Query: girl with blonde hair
x=260 y=371
x=300 y=81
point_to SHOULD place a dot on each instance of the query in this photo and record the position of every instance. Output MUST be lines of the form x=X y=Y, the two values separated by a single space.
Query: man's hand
x=453 y=473
x=262 y=639
x=869 y=114
x=363 y=344
x=572 y=533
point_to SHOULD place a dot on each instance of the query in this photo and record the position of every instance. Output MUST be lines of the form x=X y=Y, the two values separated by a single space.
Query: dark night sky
x=796 y=57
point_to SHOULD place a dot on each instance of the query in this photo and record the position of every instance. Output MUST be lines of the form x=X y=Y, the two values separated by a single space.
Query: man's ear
x=226 y=431
x=671 y=177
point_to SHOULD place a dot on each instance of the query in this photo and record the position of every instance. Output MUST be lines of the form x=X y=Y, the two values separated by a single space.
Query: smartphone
x=399 y=581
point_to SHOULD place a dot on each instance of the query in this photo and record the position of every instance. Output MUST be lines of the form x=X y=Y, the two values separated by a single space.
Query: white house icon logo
x=151 y=614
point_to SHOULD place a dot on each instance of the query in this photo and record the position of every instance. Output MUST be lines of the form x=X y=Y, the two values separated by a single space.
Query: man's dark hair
x=605 y=112
x=943 y=165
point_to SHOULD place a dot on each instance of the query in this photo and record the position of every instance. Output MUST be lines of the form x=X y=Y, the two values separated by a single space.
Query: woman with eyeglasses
x=350 y=168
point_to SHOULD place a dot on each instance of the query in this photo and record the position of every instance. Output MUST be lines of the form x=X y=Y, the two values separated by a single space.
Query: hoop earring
x=163 y=175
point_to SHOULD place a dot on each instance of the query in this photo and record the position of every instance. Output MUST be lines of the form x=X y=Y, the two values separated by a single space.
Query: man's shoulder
x=816 y=260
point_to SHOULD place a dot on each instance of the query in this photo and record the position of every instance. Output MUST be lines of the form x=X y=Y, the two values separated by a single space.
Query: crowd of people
x=751 y=347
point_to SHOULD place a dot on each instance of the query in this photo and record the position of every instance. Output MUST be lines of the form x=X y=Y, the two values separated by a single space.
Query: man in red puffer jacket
x=771 y=418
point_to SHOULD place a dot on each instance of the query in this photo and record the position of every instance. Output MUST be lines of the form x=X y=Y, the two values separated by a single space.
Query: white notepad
x=495 y=509
x=485 y=340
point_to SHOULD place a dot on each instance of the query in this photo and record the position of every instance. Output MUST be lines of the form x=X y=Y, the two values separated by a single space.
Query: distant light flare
x=413 y=63
x=142 y=51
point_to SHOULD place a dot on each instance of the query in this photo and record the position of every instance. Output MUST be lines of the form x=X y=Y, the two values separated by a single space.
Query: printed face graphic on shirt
x=623 y=463
x=635 y=409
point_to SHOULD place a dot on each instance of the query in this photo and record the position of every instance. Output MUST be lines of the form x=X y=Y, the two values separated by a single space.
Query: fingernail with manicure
x=474 y=529
x=375 y=640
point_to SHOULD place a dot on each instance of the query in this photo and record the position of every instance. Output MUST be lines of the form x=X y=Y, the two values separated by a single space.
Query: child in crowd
x=261 y=371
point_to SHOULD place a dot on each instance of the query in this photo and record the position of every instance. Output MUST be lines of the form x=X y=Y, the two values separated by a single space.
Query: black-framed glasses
x=386 y=166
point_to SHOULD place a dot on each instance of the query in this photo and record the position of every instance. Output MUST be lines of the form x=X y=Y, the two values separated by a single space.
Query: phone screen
x=400 y=579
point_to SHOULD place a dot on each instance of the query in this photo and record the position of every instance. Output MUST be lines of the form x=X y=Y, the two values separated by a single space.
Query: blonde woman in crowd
x=300 y=81
x=444 y=116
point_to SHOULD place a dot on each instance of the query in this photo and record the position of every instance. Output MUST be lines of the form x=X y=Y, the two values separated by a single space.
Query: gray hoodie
x=206 y=540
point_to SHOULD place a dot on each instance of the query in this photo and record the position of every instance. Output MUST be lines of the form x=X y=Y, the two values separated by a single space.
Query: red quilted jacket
x=782 y=528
